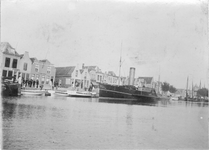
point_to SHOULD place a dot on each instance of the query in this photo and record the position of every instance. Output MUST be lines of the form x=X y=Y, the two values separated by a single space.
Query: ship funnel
x=131 y=76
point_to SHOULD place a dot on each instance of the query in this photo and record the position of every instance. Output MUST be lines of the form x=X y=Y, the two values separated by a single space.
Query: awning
x=95 y=84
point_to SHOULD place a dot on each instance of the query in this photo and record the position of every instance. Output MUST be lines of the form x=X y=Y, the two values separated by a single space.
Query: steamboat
x=127 y=92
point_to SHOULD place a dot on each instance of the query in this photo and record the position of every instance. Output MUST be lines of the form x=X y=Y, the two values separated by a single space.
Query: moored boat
x=61 y=93
x=69 y=93
x=9 y=87
x=33 y=92
x=80 y=94
x=128 y=92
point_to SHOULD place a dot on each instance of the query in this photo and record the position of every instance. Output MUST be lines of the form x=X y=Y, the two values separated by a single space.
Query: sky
x=160 y=38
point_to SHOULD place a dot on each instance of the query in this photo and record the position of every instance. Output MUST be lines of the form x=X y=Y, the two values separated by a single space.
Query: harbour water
x=90 y=123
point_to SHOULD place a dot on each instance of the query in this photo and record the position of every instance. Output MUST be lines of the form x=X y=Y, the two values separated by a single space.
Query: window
x=33 y=76
x=76 y=73
x=36 y=68
x=14 y=63
x=10 y=73
x=97 y=77
x=48 y=69
x=7 y=62
x=67 y=81
x=27 y=76
x=4 y=73
x=110 y=80
x=25 y=66
x=23 y=75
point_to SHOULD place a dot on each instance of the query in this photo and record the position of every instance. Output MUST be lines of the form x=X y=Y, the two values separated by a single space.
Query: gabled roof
x=65 y=71
x=44 y=61
x=111 y=73
x=148 y=80
x=91 y=70
x=90 y=67
x=179 y=91
x=21 y=55
x=33 y=59
x=196 y=88
x=6 y=48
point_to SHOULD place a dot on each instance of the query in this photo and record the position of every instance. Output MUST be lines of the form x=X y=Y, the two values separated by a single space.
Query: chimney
x=83 y=66
x=131 y=76
x=26 y=53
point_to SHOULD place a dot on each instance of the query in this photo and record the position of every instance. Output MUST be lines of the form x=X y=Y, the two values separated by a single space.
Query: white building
x=10 y=60
x=25 y=66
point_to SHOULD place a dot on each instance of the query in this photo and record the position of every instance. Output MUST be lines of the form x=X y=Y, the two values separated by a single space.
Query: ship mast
x=120 y=64
x=192 y=89
x=158 y=84
x=187 y=88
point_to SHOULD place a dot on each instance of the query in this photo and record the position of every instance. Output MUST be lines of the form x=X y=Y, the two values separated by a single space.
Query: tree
x=172 y=89
x=165 y=87
x=202 y=92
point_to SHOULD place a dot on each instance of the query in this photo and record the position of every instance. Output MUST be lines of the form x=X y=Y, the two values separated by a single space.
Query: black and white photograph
x=104 y=74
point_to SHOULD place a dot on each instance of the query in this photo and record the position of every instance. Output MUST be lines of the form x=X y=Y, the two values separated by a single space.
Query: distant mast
x=187 y=87
x=158 y=84
x=120 y=64
x=192 y=89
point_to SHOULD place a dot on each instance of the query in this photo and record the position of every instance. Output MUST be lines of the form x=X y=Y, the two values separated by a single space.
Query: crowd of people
x=30 y=83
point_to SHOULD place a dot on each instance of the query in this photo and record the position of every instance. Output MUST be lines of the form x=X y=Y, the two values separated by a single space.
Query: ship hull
x=11 y=89
x=126 y=93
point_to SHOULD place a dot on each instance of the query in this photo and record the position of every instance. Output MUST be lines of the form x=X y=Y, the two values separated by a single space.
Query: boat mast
x=120 y=64
x=159 y=82
x=187 y=87
x=192 y=89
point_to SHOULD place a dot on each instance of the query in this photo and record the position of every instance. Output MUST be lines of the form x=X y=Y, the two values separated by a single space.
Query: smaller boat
x=60 y=93
x=71 y=93
x=9 y=87
x=79 y=94
x=33 y=92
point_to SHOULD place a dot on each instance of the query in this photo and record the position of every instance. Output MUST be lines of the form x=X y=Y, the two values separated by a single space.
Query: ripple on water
x=53 y=123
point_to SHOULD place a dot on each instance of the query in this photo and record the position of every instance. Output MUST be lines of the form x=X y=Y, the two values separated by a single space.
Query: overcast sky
x=157 y=37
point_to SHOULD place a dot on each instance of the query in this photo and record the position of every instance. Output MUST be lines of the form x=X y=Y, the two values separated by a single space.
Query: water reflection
x=128 y=102
x=129 y=115
x=93 y=123
x=193 y=104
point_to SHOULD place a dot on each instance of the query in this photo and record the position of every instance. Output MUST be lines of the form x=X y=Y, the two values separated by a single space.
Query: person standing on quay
x=50 y=84
x=29 y=83
x=20 y=80
x=34 y=83
x=37 y=83
x=14 y=79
